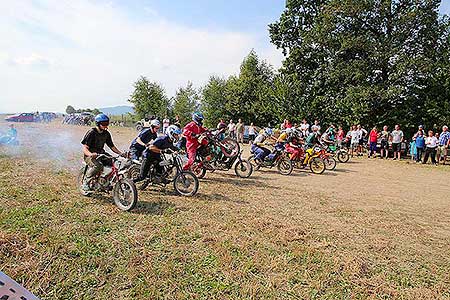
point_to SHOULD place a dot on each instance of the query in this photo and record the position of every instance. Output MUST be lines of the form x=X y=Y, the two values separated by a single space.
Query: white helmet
x=155 y=123
x=288 y=131
x=173 y=132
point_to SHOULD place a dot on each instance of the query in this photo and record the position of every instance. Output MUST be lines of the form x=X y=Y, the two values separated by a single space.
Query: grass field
x=370 y=230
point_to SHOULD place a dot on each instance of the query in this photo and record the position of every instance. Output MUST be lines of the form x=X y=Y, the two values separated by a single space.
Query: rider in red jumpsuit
x=191 y=131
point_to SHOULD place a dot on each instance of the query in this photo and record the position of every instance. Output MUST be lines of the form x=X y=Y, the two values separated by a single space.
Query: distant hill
x=117 y=110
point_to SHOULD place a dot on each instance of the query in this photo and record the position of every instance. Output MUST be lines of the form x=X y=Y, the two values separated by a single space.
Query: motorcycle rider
x=258 y=146
x=93 y=143
x=144 y=139
x=293 y=146
x=153 y=153
x=191 y=132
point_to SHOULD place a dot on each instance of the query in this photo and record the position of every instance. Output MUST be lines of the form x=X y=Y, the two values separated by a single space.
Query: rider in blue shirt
x=152 y=155
x=144 y=139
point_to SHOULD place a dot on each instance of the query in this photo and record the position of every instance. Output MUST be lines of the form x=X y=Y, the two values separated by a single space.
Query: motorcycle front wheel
x=317 y=165
x=243 y=168
x=330 y=163
x=343 y=156
x=285 y=166
x=125 y=194
x=186 y=183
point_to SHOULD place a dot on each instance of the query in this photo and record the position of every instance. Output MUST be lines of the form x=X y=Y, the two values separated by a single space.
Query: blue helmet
x=197 y=117
x=101 y=118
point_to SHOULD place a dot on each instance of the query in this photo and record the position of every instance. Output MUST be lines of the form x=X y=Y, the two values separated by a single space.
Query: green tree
x=70 y=109
x=149 y=98
x=214 y=100
x=186 y=101
x=248 y=95
x=369 y=61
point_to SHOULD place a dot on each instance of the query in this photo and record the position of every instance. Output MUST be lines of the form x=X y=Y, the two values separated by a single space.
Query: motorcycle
x=312 y=158
x=340 y=152
x=330 y=161
x=112 y=179
x=185 y=183
x=278 y=158
x=220 y=154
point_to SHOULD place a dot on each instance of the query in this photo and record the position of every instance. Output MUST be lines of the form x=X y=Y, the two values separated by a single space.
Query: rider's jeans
x=260 y=152
x=149 y=159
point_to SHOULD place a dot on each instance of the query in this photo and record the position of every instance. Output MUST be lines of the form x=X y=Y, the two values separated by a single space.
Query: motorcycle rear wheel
x=186 y=184
x=243 y=168
x=285 y=166
x=252 y=161
x=125 y=194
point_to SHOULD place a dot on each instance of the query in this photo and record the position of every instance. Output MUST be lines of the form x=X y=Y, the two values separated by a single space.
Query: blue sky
x=88 y=53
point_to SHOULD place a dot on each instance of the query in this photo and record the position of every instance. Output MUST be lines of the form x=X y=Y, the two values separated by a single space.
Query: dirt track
x=366 y=215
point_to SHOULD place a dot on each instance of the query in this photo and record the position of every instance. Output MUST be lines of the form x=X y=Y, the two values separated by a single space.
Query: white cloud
x=88 y=54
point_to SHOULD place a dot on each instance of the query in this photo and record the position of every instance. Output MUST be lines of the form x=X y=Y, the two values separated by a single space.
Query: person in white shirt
x=304 y=128
x=316 y=126
x=397 y=139
x=362 y=133
x=431 y=143
x=251 y=133
x=232 y=129
x=166 y=123
x=354 y=142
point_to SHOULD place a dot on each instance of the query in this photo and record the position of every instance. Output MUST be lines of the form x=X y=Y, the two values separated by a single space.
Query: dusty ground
x=370 y=229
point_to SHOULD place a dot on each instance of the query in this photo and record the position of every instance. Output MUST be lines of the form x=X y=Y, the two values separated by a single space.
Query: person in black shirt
x=144 y=139
x=153 y=153
x=93 y=143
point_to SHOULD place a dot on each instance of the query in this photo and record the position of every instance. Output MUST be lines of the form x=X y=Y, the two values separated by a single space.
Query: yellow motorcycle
x=311 y=157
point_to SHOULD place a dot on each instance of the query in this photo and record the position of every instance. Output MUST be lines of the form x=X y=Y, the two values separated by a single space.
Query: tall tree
x=363 y=61
x=249 y=93
x=186 y=101
x=149 y=98
x=214 y=100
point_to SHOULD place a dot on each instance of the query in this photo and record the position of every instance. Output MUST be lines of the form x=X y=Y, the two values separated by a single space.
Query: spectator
x=420 y=145
x=177 y=122
x=373 y=138
x=413 y=149
x=232 y=129
x=354 y=140
x=316 y=127
x=444 y=140
x=221 y=124
x=431 y=143
x=166 y=123
x=240 y=131
x=362 y=133
x=397 y=139
x=251 y=133
x=384 y=142
x=304 y=128
x=340 y=135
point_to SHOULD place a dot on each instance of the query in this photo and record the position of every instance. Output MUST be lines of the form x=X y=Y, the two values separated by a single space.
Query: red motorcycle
x=216 y=153
x=112 y=179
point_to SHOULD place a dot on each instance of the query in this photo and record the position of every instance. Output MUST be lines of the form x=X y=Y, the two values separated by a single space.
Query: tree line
x=371 y=62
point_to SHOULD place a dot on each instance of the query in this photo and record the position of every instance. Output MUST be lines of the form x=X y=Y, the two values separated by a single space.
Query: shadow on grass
x=153 y=208
x=240 y=182
x=219 y=197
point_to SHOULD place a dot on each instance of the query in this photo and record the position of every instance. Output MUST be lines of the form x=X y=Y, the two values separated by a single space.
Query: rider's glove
x=124 y=154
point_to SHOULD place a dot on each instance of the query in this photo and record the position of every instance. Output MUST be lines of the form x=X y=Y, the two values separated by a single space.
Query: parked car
x=23 y=117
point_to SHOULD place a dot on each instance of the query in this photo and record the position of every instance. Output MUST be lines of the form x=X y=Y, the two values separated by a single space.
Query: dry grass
x=371 y=230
